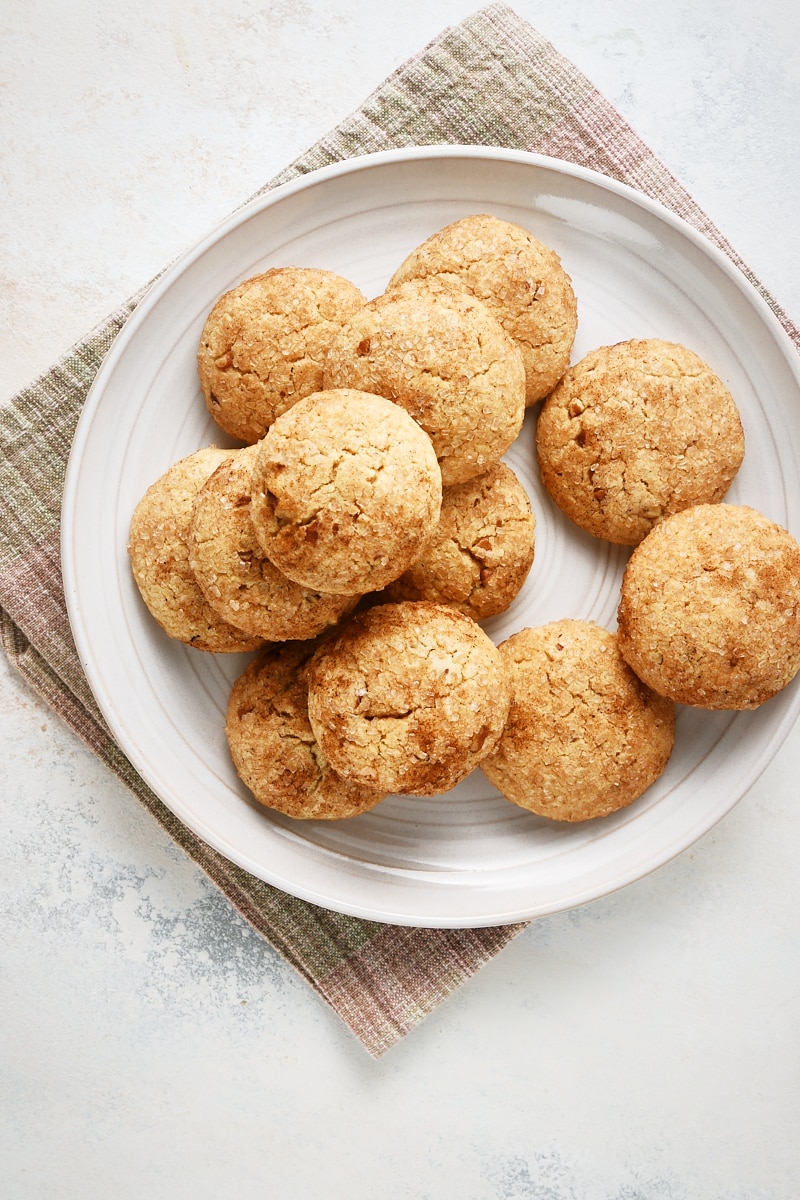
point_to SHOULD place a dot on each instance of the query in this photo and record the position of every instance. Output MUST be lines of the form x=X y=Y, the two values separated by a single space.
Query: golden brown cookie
x=519 y=278
x=709 y=611
x=273 y=747
x=236 y=578
x=634 y=432
x=408 y=698
x=584 y=736
x=159 y=558
x=440 y=354
x=264 y=343
x=481 y=551
x=346 y=491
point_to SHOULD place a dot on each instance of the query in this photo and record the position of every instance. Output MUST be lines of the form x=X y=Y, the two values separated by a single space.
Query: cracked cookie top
x=709 y=609
x=237 y=579
x=584 y=737
x=159 y=556
x=481 y=551
x=264 y=343
x=519 y=278
x=273 y=747
x=408 y=697
x=634 y=432
x=346 y=490
x=440 y=354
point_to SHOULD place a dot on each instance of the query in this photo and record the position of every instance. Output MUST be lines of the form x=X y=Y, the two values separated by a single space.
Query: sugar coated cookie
x=236 y=578
x=159 y=556
x=634 y=432
x=346 y=491
x=273 y=747
x=518 y=277
x=481 y=551
x=440 y=354
x=408 y=698
x=709 y=611
x=264 y=342
x=584 y=736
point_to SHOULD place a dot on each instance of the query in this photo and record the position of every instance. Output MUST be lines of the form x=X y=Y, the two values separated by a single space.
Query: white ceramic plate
x=468 y=858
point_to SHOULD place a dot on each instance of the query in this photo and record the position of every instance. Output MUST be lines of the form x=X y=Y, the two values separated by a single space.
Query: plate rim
x=261 y=201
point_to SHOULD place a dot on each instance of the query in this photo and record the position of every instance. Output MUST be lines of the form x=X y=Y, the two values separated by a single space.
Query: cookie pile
x=367 y=525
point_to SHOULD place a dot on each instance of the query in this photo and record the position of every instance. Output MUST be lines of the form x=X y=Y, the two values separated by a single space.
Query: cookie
x=481 y=551
x=634 y=432
x=236 y=578
x=264 y=342
x=584 y=737
x=408 y=698
x=273 y=747
x=159 y=557
x=346 y=491
x=443 y=356
x=709 y=611
x=519 y=278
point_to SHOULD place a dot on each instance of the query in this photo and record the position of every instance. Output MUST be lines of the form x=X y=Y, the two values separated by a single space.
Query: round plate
x=467 y=858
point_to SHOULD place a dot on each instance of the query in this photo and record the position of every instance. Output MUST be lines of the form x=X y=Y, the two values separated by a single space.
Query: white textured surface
x=642 y=1048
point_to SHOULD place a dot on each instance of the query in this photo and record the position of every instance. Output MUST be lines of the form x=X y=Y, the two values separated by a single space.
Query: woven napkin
x=492 y=80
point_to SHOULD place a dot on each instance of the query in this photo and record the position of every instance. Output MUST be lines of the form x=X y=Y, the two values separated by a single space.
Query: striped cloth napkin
x=492 y=80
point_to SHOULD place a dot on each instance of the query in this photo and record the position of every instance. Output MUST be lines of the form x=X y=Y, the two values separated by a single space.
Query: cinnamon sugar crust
x=440 y=354
x=159 y=556
x=482 y=550
x=709 y=608
x=272 y=744
x=584 y=737
x=408 y=697
x=235 y=576
x=518 y=277
x=264 y=343
x=635 y=432
x=346 y=491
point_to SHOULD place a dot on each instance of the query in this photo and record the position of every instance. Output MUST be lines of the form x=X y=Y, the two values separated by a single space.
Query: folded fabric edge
x=401 y=987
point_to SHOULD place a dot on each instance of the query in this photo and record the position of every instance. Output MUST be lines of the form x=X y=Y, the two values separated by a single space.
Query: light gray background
x=642 y=1048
